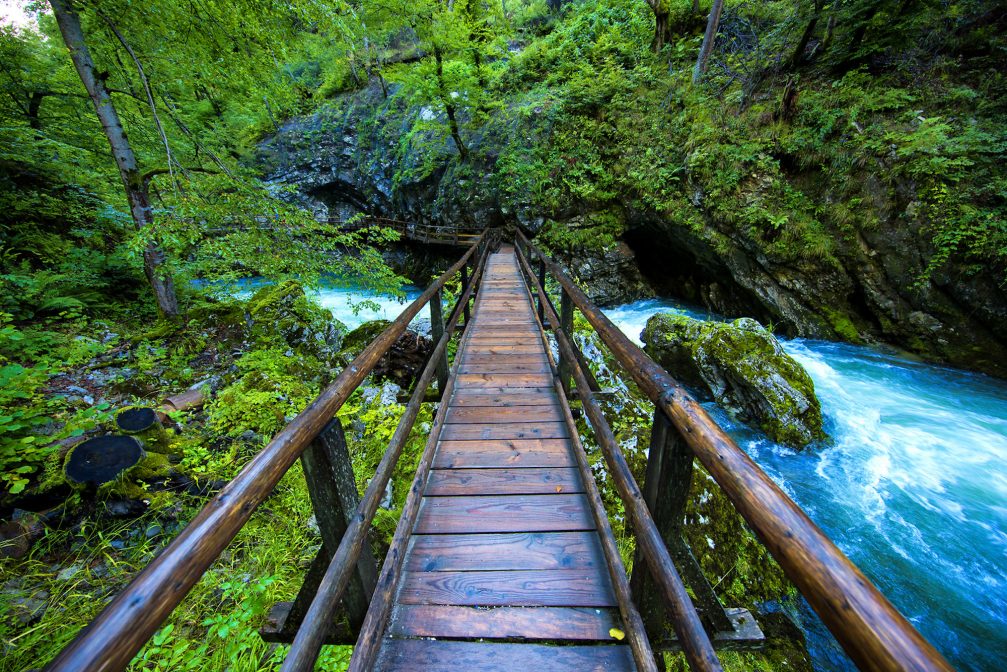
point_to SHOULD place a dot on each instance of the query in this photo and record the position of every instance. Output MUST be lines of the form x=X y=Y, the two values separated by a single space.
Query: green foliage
x=31 y=421
x=270 y=392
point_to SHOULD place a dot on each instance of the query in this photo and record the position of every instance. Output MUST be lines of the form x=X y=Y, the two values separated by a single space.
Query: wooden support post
x=566 y=324
x=328 y=472
x=437 y=330
x=465 y=286
x=542 y=298
x=666 y=492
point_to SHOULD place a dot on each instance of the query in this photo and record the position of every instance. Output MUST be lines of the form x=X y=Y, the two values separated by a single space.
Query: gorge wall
x=363 y=152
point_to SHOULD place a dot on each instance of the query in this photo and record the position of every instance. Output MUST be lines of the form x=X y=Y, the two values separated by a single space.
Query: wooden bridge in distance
x=504 y=557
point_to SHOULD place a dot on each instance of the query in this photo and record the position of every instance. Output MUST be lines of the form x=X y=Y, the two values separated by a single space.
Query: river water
x=912 y=486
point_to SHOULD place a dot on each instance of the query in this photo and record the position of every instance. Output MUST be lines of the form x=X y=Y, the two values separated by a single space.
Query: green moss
x=283 y=314
x=842 y=325
x=358 y=339
x=742 y=366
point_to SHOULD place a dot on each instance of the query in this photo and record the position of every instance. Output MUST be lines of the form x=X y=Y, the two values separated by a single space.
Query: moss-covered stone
x=355 y=341
x=284 y=312
x=742 y=366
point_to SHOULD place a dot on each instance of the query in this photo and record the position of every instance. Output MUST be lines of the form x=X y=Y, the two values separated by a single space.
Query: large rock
x=284 y=312
x=743 y=366
x=403 y=362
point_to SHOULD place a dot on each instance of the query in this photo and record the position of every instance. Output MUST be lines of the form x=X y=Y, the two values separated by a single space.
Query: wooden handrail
x=695 y=643
x=308 y=642
x=122 y=628
x=872 y=632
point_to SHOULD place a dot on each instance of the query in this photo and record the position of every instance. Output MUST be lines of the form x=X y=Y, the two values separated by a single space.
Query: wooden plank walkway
x=504 y=569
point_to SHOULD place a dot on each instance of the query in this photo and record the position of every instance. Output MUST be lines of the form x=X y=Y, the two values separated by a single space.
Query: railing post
x=437 y=330
x=465 y=286
x=332 y=488
x=566 y=324
x=666 y=492
x=541 y=281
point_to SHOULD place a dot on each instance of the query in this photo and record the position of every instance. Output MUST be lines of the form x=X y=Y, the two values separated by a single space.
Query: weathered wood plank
x=502 y=454
x=553 y=588
x=504 y=367
x=522 y=481
x=533 y=430
x=504 y=380
x=541 y=412
x=476 y=356
x=564 y=623
x=404 y=655
x=503 y=513
x=519 y=550
x=477 y=349
x=475 y=397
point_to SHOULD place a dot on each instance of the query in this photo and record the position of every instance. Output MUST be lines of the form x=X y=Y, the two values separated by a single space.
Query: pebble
x=68 y=573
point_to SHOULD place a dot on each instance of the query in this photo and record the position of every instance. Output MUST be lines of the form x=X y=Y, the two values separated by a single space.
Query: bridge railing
x=873 y=633
x=122 y=628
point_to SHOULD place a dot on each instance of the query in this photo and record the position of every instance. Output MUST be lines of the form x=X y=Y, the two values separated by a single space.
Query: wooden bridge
x=504 y=557
x=428 y=234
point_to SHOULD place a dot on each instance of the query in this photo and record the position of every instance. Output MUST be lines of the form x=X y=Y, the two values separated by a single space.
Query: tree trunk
x=449 y=107
x=34 y=107
x=122 y=151
x=661 y=31
x=708 y=39
x=798 y=58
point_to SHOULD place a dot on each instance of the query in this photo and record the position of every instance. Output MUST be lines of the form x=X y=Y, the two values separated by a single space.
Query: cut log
x=102 y=459
x=192 y=398
x=136 y=420
x=144 y=424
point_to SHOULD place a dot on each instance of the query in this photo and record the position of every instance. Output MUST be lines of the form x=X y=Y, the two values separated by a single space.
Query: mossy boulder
x=283 y=312
x=741 y=365
x=359 y=338
x=402 y=363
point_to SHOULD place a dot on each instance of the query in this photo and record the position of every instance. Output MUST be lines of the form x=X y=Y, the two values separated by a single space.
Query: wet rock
x=29 y=610
x=403 y=362
x=743 y=366
x=124 y=508
x=68 y=573
x=610 y=276
x=284 y=312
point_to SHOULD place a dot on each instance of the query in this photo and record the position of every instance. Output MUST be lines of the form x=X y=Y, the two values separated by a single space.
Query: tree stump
x=103 y=459
x=144 y=424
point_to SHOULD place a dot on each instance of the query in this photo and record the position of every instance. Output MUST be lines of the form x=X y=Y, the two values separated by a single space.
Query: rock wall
x=350 y=157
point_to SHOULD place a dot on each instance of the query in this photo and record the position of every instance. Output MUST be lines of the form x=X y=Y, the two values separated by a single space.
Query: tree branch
x=146 y=88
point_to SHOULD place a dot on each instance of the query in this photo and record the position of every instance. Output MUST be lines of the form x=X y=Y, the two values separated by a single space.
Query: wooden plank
x=519 y=588
x=541 y=412
x=473 y=397
x=504 y=367
x=503 y=513
x=519 y=550
x=531 y=430
x=404 y=655
x=477 y=356
x=521 y=481
x=570 y=623
x=476 y=348
x=503 y=454
x=504 y=380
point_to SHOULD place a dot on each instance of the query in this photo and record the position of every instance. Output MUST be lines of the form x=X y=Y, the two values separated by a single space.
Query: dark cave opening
x=690 y=271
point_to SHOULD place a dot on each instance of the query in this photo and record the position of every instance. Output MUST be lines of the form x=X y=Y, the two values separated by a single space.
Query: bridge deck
x=504 y=568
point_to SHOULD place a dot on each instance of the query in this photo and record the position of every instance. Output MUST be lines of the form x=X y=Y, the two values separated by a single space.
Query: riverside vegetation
x=835 y=169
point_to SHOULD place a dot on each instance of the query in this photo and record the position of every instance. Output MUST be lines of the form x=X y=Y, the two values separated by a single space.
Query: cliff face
x=360 y=153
